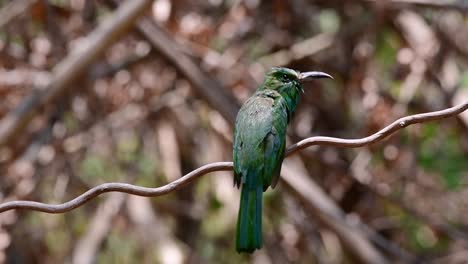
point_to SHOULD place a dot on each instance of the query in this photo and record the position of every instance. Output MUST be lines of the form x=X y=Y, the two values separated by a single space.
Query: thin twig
x=117 y=187
x=383 y=133
x=227 y=166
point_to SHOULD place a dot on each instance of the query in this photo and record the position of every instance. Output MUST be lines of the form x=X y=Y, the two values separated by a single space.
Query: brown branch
x=383 y=133
x=227 y=166
x=117 y=187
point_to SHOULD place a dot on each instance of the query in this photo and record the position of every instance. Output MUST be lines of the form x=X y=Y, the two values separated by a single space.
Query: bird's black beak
x=306 y=76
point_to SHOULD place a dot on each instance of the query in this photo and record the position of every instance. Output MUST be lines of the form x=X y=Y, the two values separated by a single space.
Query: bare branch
x=383 y=133
x=227 y=166
x=117 y=187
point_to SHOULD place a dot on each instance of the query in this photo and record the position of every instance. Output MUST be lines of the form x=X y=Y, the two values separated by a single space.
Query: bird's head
x=286 y=80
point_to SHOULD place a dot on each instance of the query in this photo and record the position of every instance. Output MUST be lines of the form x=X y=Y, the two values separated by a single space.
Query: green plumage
x=259 y=146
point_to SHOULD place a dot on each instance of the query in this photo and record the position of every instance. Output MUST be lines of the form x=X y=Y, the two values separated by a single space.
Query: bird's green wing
x=253 y=124
x=275 y=144
x=259 y=140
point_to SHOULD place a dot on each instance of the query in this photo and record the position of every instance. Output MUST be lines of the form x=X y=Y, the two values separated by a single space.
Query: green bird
x=259 y=146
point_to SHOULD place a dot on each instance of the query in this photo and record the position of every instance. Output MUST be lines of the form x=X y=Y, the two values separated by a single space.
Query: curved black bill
x=305 y=76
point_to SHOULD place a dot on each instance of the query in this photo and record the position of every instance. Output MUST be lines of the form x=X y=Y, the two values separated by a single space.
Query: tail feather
x=249 y=223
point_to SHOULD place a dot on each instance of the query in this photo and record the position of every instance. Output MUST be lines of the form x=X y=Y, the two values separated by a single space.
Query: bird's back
x=259 y=140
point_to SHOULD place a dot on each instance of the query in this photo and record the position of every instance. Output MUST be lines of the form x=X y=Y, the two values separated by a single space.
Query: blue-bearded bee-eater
x=259 y=146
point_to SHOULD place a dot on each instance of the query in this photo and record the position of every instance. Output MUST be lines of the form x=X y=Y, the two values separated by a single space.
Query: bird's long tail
x=249 y=222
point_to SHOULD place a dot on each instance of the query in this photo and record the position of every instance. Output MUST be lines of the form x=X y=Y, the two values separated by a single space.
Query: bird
x=259 y=146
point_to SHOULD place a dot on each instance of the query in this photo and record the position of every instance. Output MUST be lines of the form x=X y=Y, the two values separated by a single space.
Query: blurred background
x=159 y=101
